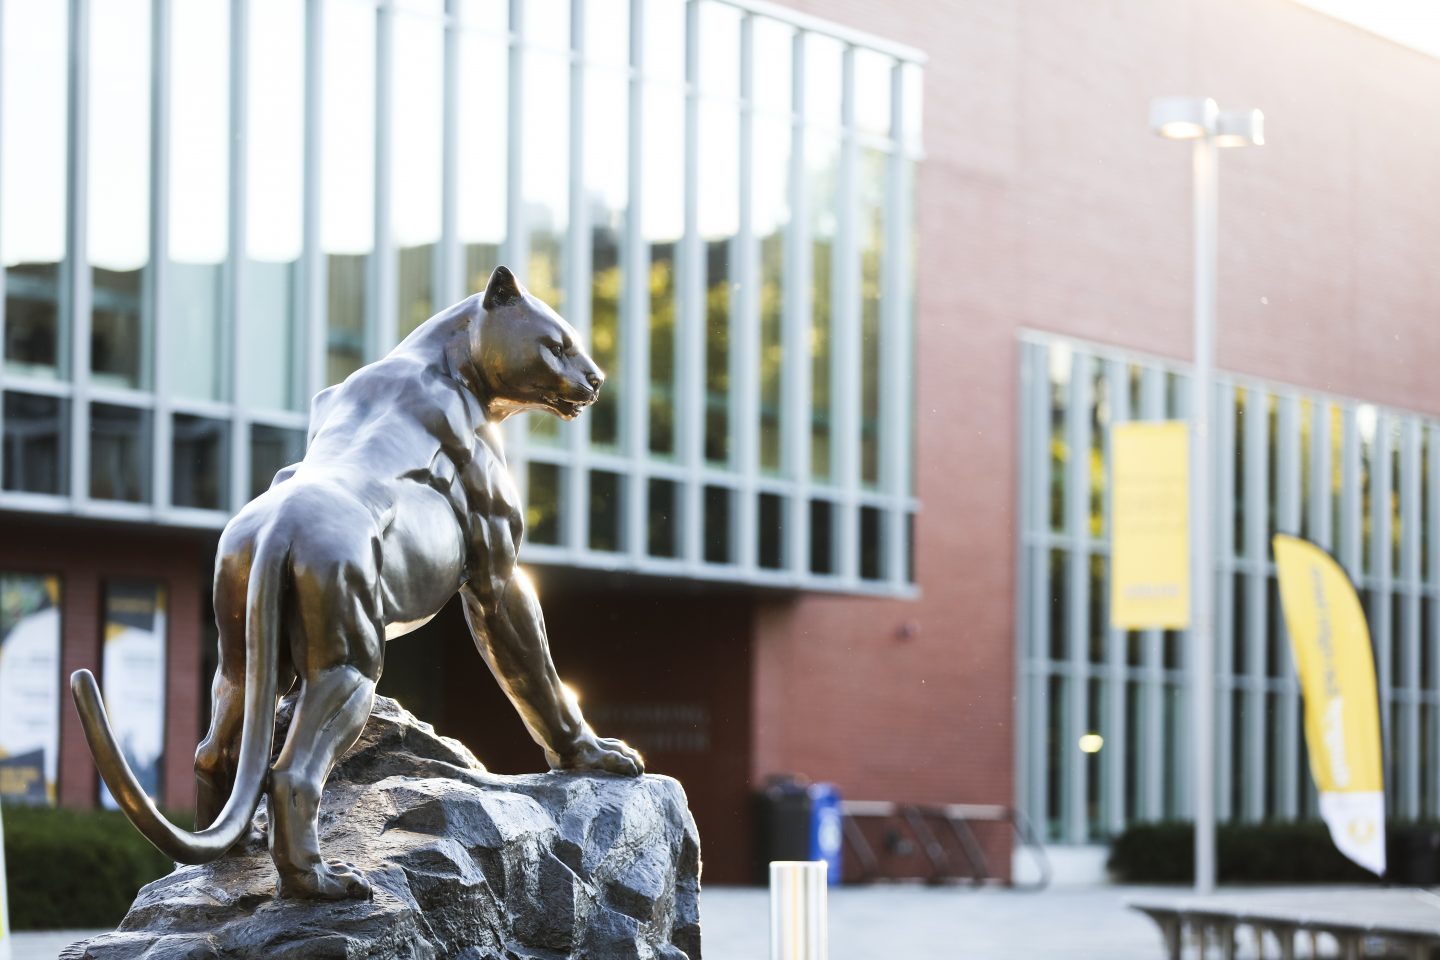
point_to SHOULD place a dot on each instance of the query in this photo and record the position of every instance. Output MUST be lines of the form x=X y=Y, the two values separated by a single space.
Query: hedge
x=1247 y=853
x=71 y=869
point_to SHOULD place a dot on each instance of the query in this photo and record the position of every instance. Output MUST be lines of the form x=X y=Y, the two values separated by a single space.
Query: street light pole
x=1202 y=526
x=1200 y=120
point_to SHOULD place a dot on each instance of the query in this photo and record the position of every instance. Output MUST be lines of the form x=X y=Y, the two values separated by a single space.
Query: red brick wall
x=85 y=554
x=1046 y=203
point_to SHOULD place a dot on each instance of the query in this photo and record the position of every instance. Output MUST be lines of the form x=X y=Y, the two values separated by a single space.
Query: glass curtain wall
x=322 y=177
x=1359 y=480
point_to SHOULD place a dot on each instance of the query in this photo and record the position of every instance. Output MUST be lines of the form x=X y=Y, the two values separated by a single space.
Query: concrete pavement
x=899 y=921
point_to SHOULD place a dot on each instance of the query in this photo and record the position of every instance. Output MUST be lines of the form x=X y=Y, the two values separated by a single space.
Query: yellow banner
x=1150 y=525
x=1330 y=644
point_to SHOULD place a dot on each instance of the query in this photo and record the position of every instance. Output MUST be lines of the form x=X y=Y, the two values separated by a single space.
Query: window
x=119 y=453
x=200 y=471
x=36 y=453
x=34 y=83
x=118 y=234
x=271 y=449
x=347 y=206
x=270 y=303
x=198 y=182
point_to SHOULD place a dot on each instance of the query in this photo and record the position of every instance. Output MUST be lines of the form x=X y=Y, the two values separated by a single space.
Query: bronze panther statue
x=402 y=499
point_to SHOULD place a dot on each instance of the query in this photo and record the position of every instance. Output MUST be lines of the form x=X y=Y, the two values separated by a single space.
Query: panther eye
x=558 y=350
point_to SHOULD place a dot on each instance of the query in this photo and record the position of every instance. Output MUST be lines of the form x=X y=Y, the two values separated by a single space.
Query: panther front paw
x=605 y=754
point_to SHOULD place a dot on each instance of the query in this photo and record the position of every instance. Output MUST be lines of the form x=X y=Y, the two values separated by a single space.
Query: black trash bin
x=1414 y=855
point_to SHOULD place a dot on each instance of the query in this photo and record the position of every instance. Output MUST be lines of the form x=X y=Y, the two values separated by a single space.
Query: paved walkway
x=944 y=923
x=893 y=922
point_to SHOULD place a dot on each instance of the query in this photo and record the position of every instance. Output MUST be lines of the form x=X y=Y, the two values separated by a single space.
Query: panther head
x=527 y=356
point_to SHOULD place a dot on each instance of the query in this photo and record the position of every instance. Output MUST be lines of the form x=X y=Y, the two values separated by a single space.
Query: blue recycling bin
x=827 y=832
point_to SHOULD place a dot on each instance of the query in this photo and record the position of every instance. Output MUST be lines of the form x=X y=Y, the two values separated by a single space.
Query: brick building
x=749 y=563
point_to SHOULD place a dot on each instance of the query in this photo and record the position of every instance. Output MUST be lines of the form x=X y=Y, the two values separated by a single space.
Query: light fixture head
x=1183 y=118
x=1240 y=128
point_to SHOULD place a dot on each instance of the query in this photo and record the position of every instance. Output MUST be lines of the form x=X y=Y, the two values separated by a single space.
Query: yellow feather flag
x=1331 y=647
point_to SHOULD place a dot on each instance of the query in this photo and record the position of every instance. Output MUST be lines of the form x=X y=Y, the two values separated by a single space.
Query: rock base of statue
x=464 y=864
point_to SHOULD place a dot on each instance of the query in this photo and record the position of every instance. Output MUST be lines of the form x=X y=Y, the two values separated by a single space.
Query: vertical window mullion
x=1321 y=457
x=449 y=265
x=1034 y=653
x=1257 y=633
x=1409 y=637
x=1077 y=602
x=1113 y=759
x=575 y=517
x=635 y=320
x=314 y=282
x=77 y=285
x=690 y=326
x=1381 y=581
x=1351 y=545
x=1287 y=519
x=515 y=250
x=796 y=376
x=233 y=332
x=1152 y=747
x=1227 y=553
x=157 y=277
x=845 y=376
x=380 y=312
x=744 y=360
x=896 y=410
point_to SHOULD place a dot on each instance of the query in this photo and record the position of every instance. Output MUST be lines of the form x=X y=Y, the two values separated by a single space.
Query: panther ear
x=503 y=288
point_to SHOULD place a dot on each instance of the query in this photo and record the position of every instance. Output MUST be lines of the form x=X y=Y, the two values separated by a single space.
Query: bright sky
x=1415 y=23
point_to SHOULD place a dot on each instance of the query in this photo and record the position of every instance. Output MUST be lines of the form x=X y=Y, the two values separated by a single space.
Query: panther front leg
x=509 y=631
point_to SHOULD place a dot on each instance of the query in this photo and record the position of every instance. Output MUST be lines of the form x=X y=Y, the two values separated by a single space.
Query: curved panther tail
x=262 y=631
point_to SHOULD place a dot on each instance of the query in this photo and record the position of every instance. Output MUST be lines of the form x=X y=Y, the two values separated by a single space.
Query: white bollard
x=799 y=926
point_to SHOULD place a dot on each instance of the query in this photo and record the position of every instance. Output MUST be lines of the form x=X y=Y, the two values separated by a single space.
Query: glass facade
x=1359 y=480
x=221 y=207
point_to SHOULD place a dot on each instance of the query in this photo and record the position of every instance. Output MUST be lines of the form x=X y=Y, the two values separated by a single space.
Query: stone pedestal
x=464 y=864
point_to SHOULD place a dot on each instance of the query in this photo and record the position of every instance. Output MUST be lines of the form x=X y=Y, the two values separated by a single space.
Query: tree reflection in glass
x=663 y=222
x=545 y=188
x=607 y=127
x=718 y=225
x=770 y=216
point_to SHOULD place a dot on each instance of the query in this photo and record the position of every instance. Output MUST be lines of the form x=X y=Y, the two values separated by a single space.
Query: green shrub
x=1247 y=853
x=71 y=869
